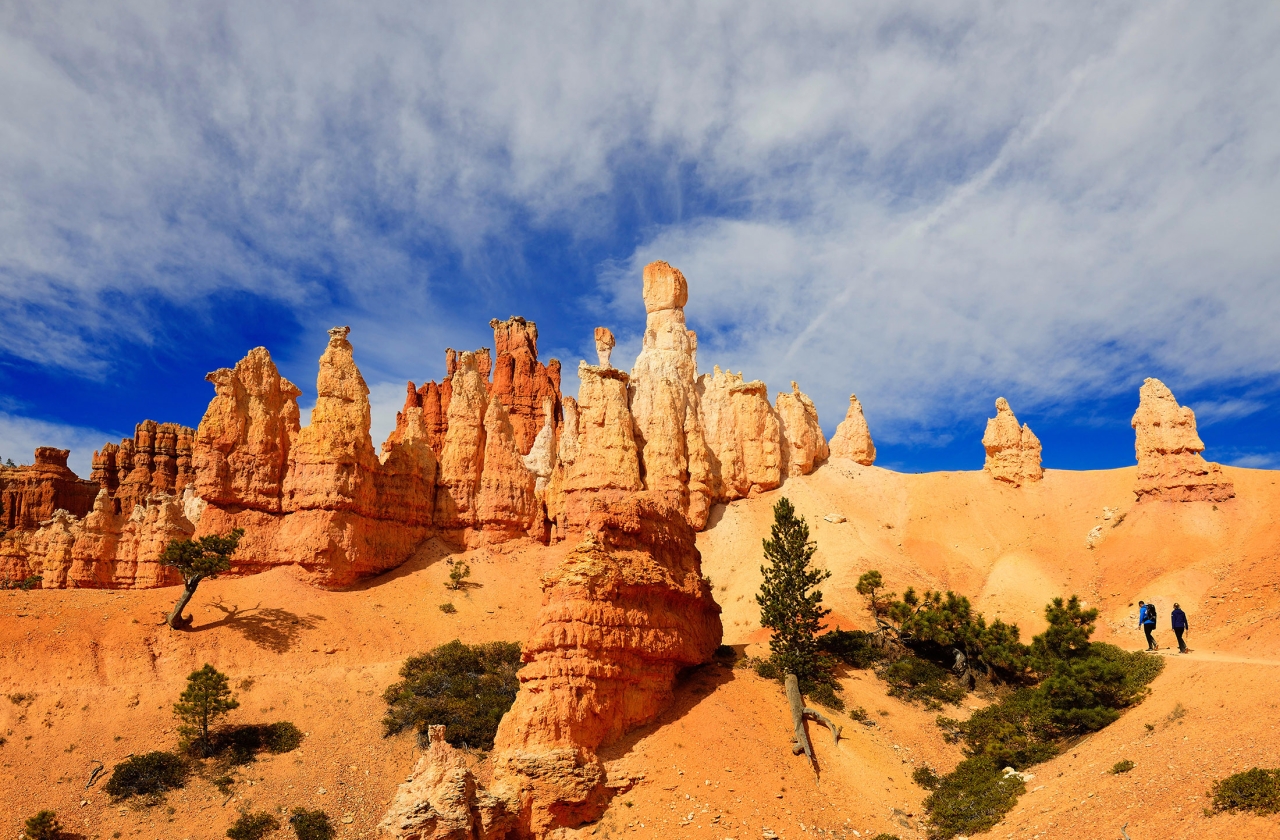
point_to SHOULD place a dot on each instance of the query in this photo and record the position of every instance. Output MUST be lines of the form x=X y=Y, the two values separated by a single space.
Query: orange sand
x=102 y=673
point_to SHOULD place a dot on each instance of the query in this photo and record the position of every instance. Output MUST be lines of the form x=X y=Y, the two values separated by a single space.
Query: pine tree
x=790 y=605
x=197 y=560
x=207 y=697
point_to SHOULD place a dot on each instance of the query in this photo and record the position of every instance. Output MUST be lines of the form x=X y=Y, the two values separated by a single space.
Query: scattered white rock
x=834 y=517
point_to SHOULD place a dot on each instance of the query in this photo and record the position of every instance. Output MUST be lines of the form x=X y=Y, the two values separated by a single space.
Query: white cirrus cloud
x=929 y=203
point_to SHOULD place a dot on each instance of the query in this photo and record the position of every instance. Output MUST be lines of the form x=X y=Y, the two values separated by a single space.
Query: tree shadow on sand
x=270 y=628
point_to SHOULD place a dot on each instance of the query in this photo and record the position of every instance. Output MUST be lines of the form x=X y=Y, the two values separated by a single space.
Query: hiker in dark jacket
x=1178 y=619
x=1147 y=618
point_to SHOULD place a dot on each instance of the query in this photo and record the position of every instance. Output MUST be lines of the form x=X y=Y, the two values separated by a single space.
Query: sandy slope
x=103 y=674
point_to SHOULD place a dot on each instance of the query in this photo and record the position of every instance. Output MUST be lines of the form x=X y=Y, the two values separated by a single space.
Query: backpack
x=1151 y=614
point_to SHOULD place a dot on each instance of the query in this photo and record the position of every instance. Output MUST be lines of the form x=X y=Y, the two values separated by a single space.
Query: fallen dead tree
x=799 y=711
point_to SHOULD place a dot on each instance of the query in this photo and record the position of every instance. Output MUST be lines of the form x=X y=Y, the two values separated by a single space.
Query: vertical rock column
x=667 y=423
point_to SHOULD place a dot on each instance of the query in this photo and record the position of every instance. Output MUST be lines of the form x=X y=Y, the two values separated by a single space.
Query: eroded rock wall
x=30 y=494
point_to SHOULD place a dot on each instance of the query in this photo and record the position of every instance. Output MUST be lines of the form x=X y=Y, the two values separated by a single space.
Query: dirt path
x=1213 y=656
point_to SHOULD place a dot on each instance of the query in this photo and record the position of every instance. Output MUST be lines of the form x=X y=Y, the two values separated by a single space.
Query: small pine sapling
x=43 y=826
x=206 y=698
x=459 y=571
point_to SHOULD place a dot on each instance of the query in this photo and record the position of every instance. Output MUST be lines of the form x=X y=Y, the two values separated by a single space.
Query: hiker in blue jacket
x=1178 y=620
x=1147 y=618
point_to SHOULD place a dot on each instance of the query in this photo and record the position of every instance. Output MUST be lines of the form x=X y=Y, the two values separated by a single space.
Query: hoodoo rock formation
x=158 y=460
x=626 y=610
x=598 y=454
x=493 y=452
x=243 y=443
x=743 y=433
x=664 y=398
x=1170 y=466
x=522 y=383
x=1013 y=452
x=803 y=444
x=852 y=439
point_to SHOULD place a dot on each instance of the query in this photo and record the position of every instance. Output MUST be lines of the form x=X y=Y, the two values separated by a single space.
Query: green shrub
x=467 y=688
x=26 y=585
x=448 y=609
x=281 y=737
x=1122 y=767
x=855 y=648
x=311 y=825
x=972 y=799
x=223 y=784
x=253 y=826
x=859 y=714
x=766 y=669
x=1016 y=732
x=43 y=826
x=925 y=777
x=154 y=772
x=1085 y=686
x=824 y=694
x=921 y=681
x=884 y=835
x=1256 y=790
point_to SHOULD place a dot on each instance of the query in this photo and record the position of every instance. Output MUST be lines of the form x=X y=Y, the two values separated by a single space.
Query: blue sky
x=928 y=204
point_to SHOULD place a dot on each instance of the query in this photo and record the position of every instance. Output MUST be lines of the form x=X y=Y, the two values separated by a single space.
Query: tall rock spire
x=674 y=458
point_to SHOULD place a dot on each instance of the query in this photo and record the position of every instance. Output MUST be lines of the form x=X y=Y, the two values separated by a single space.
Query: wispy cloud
x=930 y=204
x=19 y=437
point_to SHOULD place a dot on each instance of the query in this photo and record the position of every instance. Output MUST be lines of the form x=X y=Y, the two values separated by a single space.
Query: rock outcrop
x=1170 y=466
x=443 y=800
x=852 y=439
x=674 y=458
x=623 y=614
x=604 y=346
x=803 y=444
x=598 y=454
x=30 y=494
x=103 y=549
x=243 y=443
x=1013 y=452
x=743 y=434
x=521 y=383
x=157 y=460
